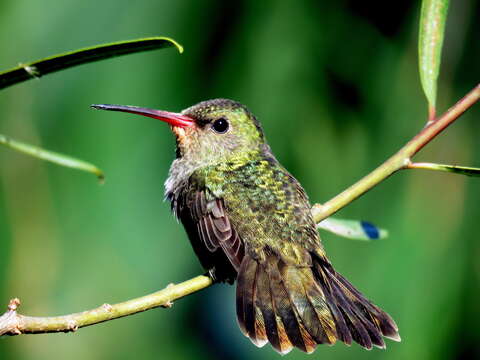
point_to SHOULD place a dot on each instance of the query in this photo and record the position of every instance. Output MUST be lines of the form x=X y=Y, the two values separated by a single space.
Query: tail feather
x=284 y=309
x=245 y=281
x=385 y=323
x=375 y=320
x=298 y=284
x=301 y=307
x=342 y=329
x=276 y=335
x=359 y=329
x=250 y=319
x=365 y=330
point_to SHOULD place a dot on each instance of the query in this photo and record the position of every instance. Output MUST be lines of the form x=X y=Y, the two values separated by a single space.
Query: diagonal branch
x=398 y=161
x=12 y=323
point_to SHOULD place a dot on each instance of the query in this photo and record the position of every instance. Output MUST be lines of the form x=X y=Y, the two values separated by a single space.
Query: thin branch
x=398 y=161
x=12 y=323
x=462 y=170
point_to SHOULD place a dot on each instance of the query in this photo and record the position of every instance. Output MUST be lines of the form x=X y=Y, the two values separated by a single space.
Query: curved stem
x=59 y=62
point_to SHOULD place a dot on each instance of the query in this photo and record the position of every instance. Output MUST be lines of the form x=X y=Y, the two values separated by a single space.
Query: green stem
x=12 y=323
x=398 y=161
x=463 y=170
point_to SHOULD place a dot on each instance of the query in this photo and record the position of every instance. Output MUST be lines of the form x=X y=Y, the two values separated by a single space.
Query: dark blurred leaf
x=430 y=40
x=56 y=158
x=58 y=62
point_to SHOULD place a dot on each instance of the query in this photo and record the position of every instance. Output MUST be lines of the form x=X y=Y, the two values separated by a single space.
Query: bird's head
x=213 y=130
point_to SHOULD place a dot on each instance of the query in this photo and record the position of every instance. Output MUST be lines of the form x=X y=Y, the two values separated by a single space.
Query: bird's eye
x=220 y=125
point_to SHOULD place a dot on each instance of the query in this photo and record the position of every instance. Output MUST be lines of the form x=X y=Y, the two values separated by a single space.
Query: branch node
x=107 y=307
x=9 y=321
x=407 y=162
x=14 y=304
x=31 y=70
x=72 y=326
x=169 y=303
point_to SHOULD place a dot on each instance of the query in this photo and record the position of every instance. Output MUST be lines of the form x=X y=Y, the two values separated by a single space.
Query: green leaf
x=430 y=40
x=54 y=63
x=51 y=156
x=462 y=170
x=353 y=229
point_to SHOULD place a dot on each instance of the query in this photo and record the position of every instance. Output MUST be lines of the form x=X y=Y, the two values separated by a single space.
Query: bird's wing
x=215 y=229
x=288 y=293
x=256 y=208
x=208 y=225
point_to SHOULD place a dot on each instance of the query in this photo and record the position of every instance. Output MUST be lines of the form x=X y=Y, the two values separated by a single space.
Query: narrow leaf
x=51 y=156
x=430 y=40
x=54 y=63
x=353 y=229
x=462 y=170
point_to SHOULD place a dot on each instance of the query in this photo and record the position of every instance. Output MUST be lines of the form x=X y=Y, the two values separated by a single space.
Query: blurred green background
x=336 y=87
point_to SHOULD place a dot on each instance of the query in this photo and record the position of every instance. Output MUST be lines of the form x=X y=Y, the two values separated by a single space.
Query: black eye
x=220 y=125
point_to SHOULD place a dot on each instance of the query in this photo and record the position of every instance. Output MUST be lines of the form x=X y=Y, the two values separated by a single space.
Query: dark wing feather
x=214 y=228
x=249 y=315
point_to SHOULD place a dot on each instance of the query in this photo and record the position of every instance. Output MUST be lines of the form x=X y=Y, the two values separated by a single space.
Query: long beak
x=173 y=119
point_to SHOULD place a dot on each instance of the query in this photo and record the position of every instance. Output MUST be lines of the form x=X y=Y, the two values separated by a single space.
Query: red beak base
x=173 y=119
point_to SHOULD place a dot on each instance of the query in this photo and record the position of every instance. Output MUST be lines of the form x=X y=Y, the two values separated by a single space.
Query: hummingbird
x=248 y=219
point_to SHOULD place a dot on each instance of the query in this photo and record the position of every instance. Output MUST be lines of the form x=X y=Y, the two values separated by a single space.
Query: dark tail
x=301 y=307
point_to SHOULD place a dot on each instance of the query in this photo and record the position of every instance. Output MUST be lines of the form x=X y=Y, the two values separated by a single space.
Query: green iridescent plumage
x=248 y=218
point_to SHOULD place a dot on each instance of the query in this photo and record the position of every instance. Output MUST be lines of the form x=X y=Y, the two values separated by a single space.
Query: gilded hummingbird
x=248 y=219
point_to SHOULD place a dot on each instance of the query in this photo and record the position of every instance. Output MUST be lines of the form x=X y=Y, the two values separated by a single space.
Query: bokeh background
x=336 y=87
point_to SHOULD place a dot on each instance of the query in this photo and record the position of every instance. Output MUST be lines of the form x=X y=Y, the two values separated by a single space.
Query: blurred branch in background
x=53 y=157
